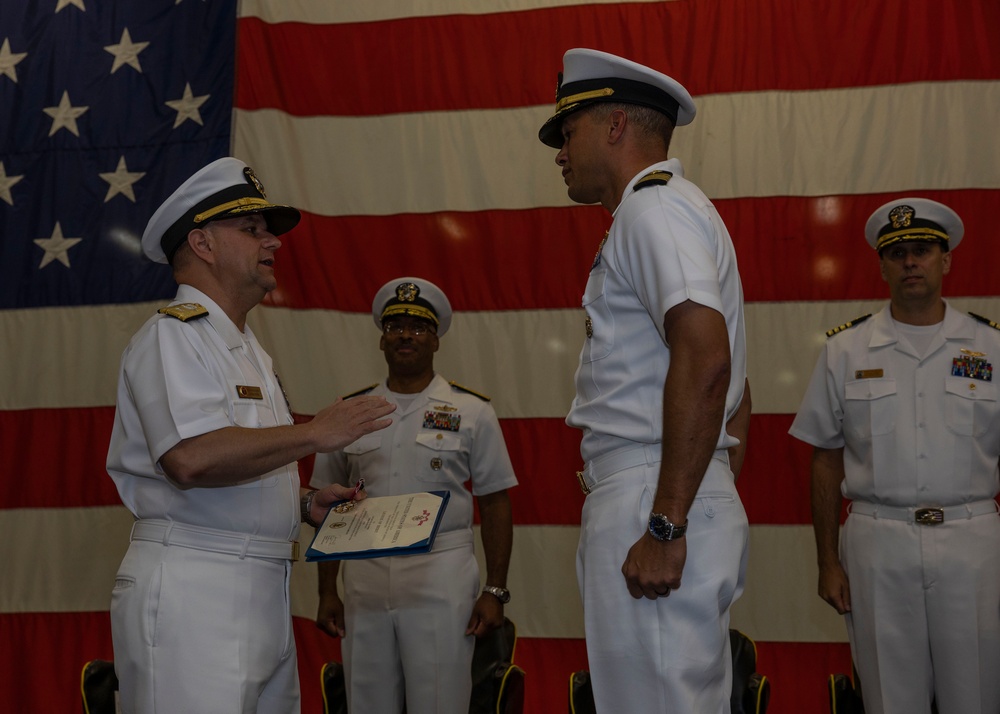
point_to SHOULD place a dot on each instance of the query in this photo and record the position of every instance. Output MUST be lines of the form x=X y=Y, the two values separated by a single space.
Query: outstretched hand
x=345 y=421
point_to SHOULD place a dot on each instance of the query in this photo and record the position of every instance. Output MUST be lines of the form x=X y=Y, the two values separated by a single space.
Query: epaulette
x=851 y=323
x=653 y=178
x=184 y=311
x=985 y=320
x=460 y=388
x=360 y=391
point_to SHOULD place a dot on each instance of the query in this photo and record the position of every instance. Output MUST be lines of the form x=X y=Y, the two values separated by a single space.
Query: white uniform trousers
x=925 y=613
x=197 y=631
x=670 y=654
x=405 y=630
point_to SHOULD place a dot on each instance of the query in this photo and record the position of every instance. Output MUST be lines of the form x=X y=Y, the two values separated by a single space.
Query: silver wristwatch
x=661 y=528
x=501 y=594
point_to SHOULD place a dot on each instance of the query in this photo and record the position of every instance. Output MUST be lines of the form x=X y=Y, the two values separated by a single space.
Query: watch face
x=660 y=526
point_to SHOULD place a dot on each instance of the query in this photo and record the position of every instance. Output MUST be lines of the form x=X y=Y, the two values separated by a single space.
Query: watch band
x=501 y=594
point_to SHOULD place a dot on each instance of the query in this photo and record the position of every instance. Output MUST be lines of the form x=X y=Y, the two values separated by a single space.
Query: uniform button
x=921 y=425
x=923 y=488
x=920 y=394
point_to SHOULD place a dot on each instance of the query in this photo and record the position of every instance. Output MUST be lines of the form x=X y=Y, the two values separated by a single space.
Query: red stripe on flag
x=386 y=67
x=789 y=248
x=774 y=485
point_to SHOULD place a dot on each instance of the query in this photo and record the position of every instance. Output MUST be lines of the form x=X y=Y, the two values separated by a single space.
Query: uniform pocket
x=970 y=406
x=870 y=407
x=600 y=323
x=438 y=456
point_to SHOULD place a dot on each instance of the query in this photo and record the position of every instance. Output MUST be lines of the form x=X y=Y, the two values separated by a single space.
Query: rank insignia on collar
x=443 y=421
x=972 y=365
x=589 y=325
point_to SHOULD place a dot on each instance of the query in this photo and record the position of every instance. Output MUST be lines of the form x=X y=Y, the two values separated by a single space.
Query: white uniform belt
x=213 y=541
x=611 y=463
x=924 y=515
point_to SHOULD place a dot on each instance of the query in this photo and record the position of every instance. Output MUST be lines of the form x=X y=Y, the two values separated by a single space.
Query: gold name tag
x=868 y=374
x=248 y=392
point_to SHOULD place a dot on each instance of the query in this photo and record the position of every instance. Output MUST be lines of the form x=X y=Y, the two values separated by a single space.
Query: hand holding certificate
x=379 y=526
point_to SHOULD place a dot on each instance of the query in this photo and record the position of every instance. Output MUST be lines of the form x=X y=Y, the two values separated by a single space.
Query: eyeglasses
x=414 y=328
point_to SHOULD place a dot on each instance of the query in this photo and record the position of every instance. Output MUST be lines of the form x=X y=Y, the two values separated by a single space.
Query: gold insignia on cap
x=407 y=292
x=901 y=216
x=252 y=179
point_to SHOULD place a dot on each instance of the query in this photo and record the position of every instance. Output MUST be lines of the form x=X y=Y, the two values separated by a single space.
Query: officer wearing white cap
x=203 y=453
x=409 y=622
x=904 y=418
x=661 y=397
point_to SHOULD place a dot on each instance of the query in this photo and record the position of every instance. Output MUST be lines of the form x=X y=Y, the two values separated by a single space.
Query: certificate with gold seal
x=378 y=526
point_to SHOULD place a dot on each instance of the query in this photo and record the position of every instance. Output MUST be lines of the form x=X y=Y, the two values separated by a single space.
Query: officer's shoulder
x=360 y=392
x=461 y=388
x=184 y=311
x=985 y=320
x=653 y=178
x=847 y=325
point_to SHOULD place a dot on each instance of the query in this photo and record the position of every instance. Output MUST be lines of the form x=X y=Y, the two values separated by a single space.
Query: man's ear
x=200 y=242
x=617 y=121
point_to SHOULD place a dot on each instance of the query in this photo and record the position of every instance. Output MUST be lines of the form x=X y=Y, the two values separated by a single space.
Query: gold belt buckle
x=929 y=516
x=295 y=550
x=583 y=484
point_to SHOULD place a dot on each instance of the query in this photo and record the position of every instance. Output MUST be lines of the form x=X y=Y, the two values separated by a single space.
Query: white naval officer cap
x=415 y=297
x=591 y=76
x=226 y=188
x=914 y=219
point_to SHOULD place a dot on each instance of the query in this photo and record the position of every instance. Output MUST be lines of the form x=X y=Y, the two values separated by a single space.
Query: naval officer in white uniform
x=904 y=418
x=203 y=453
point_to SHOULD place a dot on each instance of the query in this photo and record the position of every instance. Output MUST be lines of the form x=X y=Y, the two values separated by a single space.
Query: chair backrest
x=581 y=693
x=497 y=684
x=751 y=692
x=844 y=698
x=334 y=688
x=99 y=687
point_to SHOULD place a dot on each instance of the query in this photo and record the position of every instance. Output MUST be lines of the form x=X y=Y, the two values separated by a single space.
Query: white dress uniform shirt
x=913 y=433
x=666 y=245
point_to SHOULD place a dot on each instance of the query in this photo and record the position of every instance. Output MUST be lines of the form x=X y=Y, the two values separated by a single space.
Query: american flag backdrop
x=406 y=131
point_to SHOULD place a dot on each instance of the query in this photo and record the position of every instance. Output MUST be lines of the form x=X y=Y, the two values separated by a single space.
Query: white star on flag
x=56 y=247
x=187 y=106
x=66 y=3
x=8 y=59
x=6 y=182
x=64 y=116
x=126 y=52
x=121 y=180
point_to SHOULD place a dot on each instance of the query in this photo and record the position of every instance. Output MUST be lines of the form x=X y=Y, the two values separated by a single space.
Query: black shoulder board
x=460 y=388
x=985 y=320
x=184 y=311
x=358 y=393
x=653 y=178
x=852 y=323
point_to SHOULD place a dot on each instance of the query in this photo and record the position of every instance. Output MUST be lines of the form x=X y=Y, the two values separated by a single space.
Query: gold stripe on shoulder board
x=851 y=323
x=474 y=393
x=985 y=320
x=358 y=393
x=653 y=178
x=184 y=311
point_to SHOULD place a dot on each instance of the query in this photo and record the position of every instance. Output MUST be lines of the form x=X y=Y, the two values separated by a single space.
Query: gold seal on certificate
x=379 y=526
